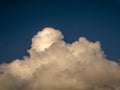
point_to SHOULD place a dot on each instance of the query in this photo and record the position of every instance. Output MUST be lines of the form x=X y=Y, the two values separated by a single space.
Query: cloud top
x=45 y=38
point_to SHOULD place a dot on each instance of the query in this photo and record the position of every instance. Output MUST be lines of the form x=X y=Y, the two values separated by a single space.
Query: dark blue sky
x=95 y=20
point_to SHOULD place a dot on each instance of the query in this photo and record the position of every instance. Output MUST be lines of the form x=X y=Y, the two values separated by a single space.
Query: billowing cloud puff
x=55 y=65
x=46 y=38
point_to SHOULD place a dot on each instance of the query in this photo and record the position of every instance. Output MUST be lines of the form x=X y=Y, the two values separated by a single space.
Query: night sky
x=96 y=20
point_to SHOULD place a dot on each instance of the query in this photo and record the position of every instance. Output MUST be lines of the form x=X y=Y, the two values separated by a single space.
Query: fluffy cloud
x=55 y=65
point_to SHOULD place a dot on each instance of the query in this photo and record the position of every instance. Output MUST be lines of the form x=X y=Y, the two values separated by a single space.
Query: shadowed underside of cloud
x=54 y=64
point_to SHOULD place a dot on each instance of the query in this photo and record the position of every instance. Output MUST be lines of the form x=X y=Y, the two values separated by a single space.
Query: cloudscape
x=54 y=64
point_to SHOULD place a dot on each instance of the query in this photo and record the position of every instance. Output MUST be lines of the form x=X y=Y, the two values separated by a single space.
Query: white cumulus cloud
x=54 y=64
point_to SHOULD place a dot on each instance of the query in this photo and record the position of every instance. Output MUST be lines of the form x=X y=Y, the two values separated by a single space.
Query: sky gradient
x=21 y=20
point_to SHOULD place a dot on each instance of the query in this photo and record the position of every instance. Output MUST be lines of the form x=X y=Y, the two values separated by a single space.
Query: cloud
x=54 y=64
